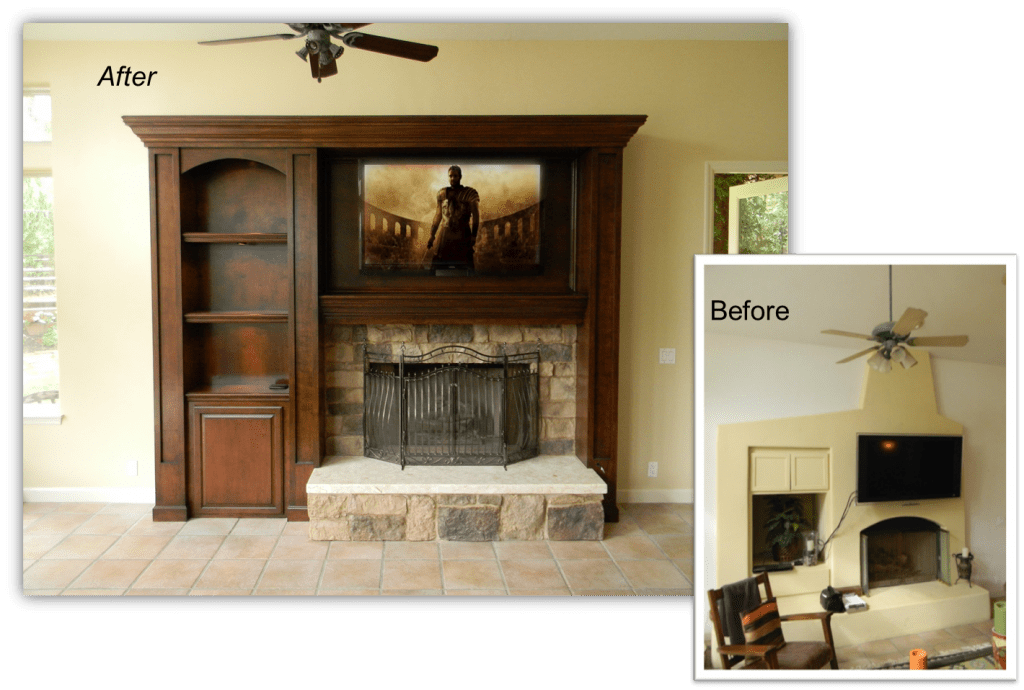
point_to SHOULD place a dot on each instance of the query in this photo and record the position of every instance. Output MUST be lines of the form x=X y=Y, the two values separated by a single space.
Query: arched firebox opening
x=903 y=551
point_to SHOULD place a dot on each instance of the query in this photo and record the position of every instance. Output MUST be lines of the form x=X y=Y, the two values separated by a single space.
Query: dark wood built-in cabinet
x=254 y=234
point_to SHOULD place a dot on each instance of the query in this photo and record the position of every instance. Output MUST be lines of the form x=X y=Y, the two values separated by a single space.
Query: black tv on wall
x=908 y=467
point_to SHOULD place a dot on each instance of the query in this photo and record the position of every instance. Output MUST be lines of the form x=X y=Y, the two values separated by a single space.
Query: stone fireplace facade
x=355 y=498
x=343 y=363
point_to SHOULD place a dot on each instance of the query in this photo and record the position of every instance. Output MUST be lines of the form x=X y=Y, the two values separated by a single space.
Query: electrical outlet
x=667 y=355
x=652 y=469
x=131 y=468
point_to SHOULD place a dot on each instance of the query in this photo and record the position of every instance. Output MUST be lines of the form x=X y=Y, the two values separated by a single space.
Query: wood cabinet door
x=809 y=471
x=236 y=463
x=769 y=471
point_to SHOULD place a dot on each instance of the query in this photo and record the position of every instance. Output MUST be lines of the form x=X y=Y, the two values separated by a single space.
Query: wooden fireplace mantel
x=508 y=132
x=240 y=309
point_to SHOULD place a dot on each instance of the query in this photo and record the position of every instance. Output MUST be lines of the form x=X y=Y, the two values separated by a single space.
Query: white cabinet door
x=769 y=471
x=808 y=471
x=788 y=470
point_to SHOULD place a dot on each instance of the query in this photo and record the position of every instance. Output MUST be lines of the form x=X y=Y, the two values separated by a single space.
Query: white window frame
x=712 y=168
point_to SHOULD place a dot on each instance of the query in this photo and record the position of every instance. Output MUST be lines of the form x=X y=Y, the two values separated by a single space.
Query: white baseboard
x=655 y=496
x=108 y=494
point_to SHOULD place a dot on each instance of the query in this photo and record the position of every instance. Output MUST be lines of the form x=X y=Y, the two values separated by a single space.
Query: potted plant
x=786 y=520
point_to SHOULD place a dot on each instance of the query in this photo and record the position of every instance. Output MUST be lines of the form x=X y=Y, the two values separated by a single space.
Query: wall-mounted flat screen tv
x=906 y=467
x=471 y=218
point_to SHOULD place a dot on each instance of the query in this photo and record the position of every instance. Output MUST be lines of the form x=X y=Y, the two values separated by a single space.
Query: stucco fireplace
x=898 y=554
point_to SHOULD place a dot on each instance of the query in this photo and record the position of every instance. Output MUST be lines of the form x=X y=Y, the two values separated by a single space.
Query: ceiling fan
x=892 y=337
x=322 y=54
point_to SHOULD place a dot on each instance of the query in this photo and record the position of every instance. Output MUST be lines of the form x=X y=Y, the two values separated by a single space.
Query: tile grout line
x=209 y=561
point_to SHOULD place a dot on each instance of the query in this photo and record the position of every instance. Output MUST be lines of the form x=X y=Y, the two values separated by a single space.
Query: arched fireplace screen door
x=451 y=406
x=902 y=551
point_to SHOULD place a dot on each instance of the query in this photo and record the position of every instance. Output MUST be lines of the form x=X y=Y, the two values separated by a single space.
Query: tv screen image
x=906 y=467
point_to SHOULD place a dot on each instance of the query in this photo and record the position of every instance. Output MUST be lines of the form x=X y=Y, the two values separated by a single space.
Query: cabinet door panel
x=810 y=471
x=769 y=472
x=237 y=459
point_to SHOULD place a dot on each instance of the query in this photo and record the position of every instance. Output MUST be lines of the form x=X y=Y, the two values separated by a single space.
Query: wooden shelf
x=427 y=308
x=236 y=237
x=237 y=317
x=239 y=386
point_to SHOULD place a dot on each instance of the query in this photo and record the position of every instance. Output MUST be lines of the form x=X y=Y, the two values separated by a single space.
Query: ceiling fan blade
x=912 y=318
x=251 y=39
x=849 y=335
x=390 y=46
x=939 y=341
x=859 y=354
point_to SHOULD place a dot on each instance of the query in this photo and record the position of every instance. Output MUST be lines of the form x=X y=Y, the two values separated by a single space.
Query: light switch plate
x=667 y=355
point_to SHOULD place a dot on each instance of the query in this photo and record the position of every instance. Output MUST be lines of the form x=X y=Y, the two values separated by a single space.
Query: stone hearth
x=362 y=499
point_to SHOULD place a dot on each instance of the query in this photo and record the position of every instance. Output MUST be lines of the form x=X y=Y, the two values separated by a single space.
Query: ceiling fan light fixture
x=906 y=359
x=879 y=362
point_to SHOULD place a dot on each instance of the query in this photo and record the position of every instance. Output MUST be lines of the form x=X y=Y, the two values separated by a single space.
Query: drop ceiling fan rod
x=890 y=292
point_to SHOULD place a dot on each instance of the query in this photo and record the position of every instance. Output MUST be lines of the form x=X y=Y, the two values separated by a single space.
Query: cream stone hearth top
x=546 y=474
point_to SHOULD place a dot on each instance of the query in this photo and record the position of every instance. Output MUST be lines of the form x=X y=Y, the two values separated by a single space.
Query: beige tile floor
x=896 y=650
x=116 y=549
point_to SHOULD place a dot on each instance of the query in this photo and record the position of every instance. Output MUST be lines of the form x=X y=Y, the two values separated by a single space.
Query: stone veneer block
x=467 y=523
x=328 y=529
x=579 y=522
x=379 y=505
x=420 y=523
x=450 y=334
x=377 y=528
x=328 y=506
x=522 y=518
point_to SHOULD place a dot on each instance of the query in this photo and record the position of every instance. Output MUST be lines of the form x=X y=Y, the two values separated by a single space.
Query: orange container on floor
x=918 y=659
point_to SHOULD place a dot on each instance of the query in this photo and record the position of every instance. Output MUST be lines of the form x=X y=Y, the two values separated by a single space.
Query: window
x=36 y=120
x=759 y=217
x=758 y=194
x=40 y=371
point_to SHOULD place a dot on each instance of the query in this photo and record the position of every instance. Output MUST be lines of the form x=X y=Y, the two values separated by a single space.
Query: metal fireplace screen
x=428 y=410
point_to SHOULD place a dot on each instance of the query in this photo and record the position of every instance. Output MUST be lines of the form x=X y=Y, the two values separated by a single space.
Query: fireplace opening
x=451 y=406
x=902 y=551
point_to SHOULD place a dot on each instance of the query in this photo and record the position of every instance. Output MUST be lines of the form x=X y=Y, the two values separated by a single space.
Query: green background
x=912 y=133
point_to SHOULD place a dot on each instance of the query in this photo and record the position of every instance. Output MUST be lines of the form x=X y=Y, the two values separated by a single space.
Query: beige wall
x=705 y=101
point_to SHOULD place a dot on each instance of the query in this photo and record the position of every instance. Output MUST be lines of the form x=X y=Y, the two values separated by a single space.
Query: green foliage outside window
x=766 y=226
x=37 y=218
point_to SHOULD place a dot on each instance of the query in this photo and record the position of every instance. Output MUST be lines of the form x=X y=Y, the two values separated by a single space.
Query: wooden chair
x=782 y=655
